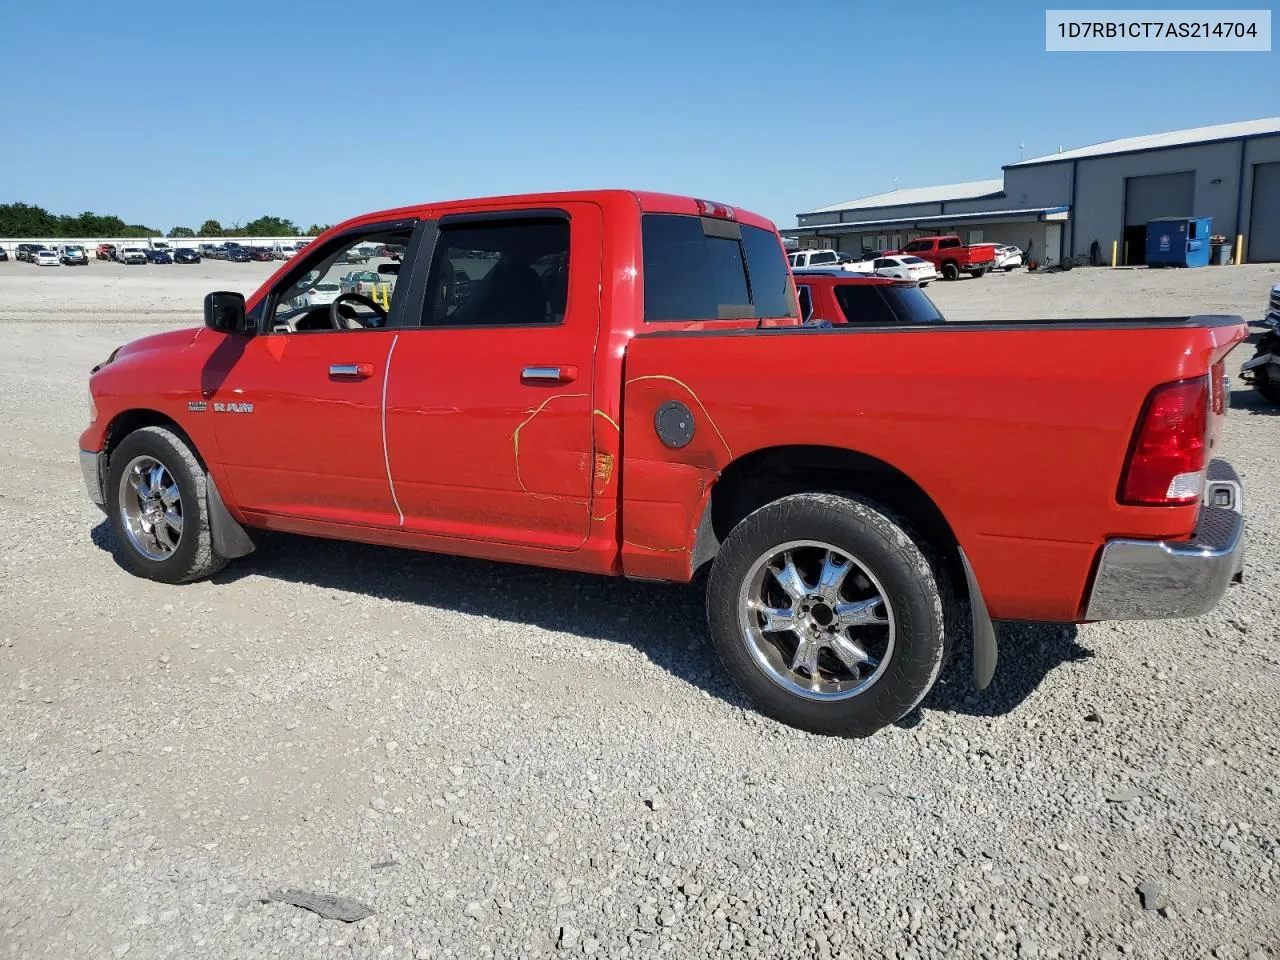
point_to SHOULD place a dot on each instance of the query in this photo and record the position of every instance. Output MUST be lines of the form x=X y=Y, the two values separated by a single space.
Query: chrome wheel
x=150 y=508
x=816 y=620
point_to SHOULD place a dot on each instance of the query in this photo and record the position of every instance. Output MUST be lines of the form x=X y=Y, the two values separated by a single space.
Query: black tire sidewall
x=900 y=567
x=163 y=447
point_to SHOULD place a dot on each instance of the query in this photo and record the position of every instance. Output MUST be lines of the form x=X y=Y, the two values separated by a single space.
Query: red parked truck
x=952 y=257
x=620 y=383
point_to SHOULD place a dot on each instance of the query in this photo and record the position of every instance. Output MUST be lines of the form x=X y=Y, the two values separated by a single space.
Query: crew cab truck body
x=622 y=385
x=952 y=257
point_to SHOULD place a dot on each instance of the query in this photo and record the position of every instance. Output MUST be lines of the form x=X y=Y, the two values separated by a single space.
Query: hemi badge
x=197 y=406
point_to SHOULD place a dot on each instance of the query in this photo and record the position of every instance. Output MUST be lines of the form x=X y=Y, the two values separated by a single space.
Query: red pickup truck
x=952 y=257
x=621 y=383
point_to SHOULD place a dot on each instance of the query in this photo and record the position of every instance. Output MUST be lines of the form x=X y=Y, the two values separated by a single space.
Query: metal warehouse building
x=1059 y=205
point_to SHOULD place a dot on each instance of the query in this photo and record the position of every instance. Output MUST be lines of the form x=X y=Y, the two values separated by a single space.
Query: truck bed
x=1017 y=431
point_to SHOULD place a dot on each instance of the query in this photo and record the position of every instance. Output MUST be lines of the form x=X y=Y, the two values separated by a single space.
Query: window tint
x=948 y=243
x=917 y=245
x=499 y=273
x=883 y=262
x=827 y=257
x=882 y=304
x=713 y=270
x=771 y=285
x=806 y=301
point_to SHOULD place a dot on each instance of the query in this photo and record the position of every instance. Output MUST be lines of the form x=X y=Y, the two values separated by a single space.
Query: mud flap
x=985 y=652
x=229 y=538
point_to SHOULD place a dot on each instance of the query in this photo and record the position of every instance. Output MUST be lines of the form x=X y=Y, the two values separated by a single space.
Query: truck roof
x=648 y=202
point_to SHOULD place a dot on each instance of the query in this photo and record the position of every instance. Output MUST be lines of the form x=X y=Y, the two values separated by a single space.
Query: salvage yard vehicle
x=4 y=255
x=186 y=255
x=105 y=251
x=1008 y=257
x=1263 y=369
x=360 y=281
x=649 y=404
x=803 y=259
x=45 y=257
x=951 y=257
x=159 y=255
x=321 y=293
x=131 y=254
x=73 y=255
x=837 y=296
x=905 y=267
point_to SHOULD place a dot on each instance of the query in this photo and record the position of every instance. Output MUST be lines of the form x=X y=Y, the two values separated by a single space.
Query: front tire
x=158 y=508
x=827 y=615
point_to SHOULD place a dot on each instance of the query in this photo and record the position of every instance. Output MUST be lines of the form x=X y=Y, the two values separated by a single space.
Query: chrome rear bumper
x=1164 y=579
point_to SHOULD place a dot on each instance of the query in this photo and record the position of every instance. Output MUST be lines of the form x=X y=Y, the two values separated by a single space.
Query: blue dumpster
x=1178 y=241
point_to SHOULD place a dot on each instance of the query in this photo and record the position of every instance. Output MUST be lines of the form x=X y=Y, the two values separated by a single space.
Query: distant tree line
x=25 y=220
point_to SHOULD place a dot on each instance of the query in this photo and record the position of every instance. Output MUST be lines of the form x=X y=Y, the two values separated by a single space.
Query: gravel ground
x=508 y=762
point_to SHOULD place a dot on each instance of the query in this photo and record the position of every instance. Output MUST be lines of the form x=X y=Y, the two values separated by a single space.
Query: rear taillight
x=1170 y=446
x=1218 y=383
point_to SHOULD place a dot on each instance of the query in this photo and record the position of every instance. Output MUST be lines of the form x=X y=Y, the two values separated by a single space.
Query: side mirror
x=224 y=312
x=389 y=269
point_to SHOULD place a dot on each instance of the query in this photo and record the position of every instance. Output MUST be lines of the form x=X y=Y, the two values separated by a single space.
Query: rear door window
x=700 y=268
x=827 y=257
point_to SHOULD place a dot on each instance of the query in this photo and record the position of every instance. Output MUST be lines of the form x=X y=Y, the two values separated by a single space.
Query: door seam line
x=386 y=450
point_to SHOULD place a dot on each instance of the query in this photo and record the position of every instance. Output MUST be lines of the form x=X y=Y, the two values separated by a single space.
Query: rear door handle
x=351 y=371
x=549 y=374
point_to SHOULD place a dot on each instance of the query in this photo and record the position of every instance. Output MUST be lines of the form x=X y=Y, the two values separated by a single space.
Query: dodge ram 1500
x=621 y=383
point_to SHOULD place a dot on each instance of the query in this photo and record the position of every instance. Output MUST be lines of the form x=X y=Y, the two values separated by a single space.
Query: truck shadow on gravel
x=666 y=623
x=1252 y=402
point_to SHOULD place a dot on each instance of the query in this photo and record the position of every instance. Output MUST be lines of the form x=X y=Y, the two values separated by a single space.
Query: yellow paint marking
x=515 y=438
x=697 y=399
x=613 y=423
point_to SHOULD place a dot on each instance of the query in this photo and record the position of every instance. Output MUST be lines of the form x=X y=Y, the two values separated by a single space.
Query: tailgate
x=982 y=252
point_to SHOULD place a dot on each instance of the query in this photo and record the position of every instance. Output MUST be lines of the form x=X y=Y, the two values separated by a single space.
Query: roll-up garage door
x=1149 y=198
x=1264 y=216
x=1160 y=195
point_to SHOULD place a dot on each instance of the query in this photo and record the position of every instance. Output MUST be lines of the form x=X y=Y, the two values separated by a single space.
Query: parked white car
x=1008 y=257
x=45 y=258
x=318 y=296
x=131 y=254
x=903 y=266
x=284 y=251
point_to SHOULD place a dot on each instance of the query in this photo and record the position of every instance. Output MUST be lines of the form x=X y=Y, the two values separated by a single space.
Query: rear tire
x=976 y=273
x=888 y=596
x=154 y=483
x=950 y=271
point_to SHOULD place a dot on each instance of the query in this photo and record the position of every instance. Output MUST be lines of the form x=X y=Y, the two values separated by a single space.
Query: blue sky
x=171 y=112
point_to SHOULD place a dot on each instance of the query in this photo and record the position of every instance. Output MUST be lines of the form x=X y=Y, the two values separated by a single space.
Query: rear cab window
x=705 y=268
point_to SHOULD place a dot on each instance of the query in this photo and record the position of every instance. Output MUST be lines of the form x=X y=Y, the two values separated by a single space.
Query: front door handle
x=549 y=374
x=351 y=371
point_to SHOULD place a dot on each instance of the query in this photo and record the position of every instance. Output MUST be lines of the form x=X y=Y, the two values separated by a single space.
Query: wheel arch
x=770 y=473
x=229 y=537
